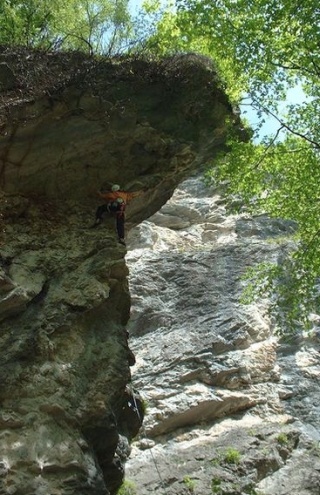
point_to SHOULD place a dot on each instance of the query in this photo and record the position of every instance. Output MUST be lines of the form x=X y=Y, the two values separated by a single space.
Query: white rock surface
x=213 y=375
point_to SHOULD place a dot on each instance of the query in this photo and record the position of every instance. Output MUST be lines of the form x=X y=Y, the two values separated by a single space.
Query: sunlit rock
x=230 y=408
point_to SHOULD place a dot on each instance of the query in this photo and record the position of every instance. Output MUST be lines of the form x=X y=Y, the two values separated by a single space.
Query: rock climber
x=116 y=201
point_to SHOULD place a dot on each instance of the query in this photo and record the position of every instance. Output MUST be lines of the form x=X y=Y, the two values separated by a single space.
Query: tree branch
x=315 y=144
x=256 y=165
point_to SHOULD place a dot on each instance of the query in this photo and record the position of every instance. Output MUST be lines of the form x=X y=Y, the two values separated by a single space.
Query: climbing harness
x=116 y=206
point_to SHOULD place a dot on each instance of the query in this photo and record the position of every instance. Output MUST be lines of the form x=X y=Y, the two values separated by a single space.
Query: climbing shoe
x=122 y=241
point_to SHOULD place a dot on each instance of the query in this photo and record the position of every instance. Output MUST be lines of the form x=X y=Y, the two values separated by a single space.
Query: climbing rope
x=146 y=436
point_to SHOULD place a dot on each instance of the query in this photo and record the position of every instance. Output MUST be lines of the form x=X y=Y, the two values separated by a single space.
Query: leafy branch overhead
x=101 y=26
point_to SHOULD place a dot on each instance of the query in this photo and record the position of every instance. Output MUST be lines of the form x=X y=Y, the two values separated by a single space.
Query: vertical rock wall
x=230 y=408
x=64 y=355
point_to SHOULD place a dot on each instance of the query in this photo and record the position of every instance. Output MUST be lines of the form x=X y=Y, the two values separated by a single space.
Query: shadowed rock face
x=70 y=125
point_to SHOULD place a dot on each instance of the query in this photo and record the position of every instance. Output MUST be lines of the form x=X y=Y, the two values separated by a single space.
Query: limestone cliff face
x=70 y=125
x=232 y=410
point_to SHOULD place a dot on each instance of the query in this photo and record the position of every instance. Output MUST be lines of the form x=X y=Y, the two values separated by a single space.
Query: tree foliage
x=270 y=46
x=271 y=43
x=91 y=26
